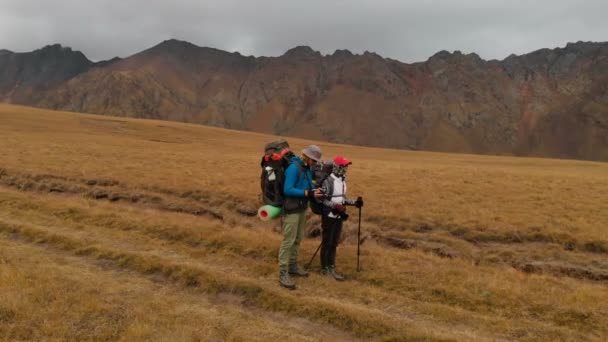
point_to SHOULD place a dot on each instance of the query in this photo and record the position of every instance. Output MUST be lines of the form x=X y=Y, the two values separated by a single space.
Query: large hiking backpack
x=277 y=156
x=320 y=172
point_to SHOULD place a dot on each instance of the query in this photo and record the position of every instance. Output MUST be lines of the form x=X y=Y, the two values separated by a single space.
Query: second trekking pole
x=313 y=257
x=359 y=241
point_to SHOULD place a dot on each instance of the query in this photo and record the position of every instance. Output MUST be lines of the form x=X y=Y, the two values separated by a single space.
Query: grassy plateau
x=122 y=229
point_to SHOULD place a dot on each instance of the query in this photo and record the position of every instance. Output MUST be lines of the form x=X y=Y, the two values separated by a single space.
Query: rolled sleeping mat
x=268 y=212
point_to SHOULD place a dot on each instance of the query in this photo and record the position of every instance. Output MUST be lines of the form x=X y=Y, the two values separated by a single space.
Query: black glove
x=359 y=202
x=310 y=194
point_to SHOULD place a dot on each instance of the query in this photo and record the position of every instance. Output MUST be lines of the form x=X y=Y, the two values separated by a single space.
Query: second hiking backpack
x=320 y=172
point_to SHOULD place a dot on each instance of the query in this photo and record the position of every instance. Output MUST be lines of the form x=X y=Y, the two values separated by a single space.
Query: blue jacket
x=293 y=186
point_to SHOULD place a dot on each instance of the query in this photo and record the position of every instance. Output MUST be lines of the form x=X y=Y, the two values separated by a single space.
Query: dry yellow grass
x=114 y=228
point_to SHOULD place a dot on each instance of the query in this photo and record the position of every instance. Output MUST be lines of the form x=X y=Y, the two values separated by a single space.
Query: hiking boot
x=326 y=272
x=295 y=270
x=336 y=275
x=285 y=281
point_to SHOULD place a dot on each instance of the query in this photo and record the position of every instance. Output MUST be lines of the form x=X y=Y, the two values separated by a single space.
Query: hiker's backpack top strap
x=300 y=170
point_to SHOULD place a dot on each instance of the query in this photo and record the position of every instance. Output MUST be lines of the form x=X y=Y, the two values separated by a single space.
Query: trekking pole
x=359 y=241
x=313 y=256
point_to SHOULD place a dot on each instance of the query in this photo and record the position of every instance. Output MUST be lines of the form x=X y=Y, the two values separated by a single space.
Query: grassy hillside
x=114 y=228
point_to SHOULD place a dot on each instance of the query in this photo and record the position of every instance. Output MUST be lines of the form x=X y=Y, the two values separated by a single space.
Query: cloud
x=406 y=30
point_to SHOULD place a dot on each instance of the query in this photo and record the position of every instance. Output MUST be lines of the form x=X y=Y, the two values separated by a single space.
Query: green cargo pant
x=293 y=233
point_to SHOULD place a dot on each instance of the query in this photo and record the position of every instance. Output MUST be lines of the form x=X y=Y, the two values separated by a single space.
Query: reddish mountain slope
x=549 y=103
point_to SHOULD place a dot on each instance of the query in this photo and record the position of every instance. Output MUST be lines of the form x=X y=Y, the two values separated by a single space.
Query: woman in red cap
x=334 y=214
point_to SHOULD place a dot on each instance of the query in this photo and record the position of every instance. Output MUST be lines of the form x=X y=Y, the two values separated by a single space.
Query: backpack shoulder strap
x=299 y=167
x=328 y=186
x=301 y=170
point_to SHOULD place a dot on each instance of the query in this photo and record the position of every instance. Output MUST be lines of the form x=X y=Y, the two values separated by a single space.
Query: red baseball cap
x=339 y=160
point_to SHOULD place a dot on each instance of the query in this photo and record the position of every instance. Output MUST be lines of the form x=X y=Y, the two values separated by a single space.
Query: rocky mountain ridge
x=550 y=102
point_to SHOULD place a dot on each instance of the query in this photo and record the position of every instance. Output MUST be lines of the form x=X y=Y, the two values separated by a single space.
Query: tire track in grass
x=193 y=241
x=115 y=305
x=361 y=321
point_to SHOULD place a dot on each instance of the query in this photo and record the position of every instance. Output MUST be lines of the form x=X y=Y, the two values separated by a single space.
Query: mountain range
x=549 y=103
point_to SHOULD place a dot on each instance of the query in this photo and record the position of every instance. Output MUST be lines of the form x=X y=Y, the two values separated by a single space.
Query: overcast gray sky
x=406 y=30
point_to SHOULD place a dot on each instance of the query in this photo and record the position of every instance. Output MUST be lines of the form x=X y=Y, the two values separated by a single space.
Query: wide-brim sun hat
x=313 y=152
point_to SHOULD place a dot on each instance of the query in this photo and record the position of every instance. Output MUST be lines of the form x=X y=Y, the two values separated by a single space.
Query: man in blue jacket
x=298 y=190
